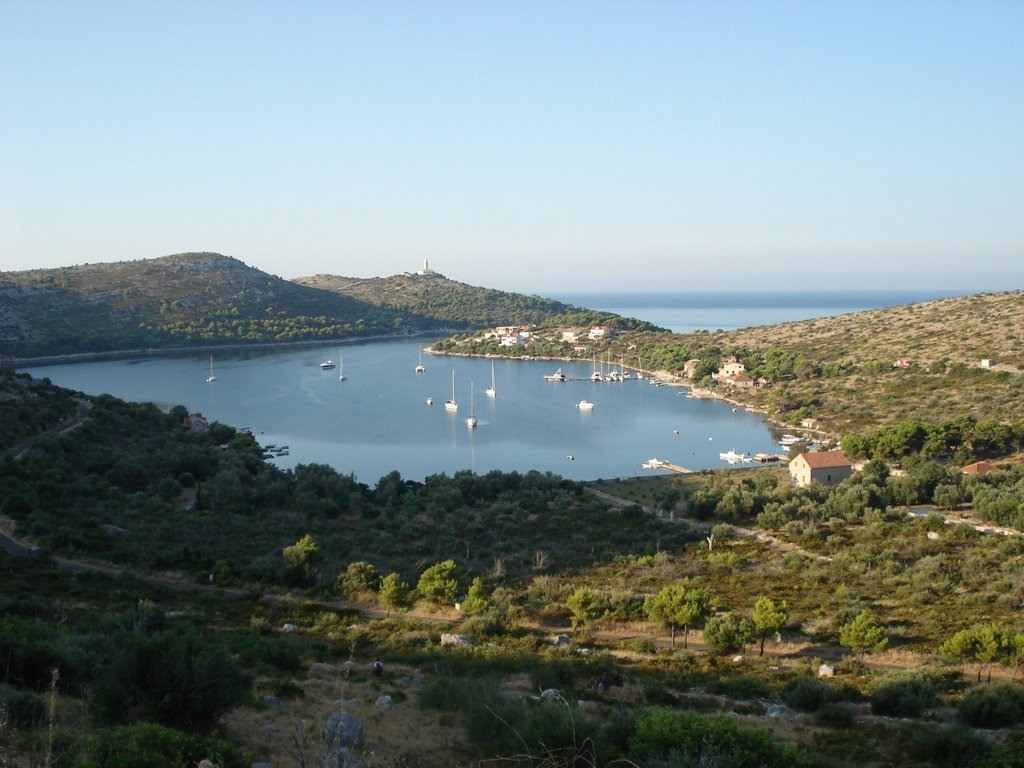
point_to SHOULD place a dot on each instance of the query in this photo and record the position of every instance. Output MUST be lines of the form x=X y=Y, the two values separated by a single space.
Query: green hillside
x=205 y=299
x=451 y=303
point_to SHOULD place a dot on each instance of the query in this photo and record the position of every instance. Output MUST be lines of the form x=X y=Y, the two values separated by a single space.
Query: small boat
x=471 y=421
x=341 y=369
x=420 y=368
x=451 y=405
x=732 y=456
x=430 y=400
x=491 y=391
x=327 y=365
x=788 y=439
x=211 y=378
x=585 y=405
x=556 y=376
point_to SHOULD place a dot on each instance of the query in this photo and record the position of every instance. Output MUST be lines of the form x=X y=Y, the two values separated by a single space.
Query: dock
x=667 y=465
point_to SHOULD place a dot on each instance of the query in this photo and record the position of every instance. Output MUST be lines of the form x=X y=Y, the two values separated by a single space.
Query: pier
x=667 y=465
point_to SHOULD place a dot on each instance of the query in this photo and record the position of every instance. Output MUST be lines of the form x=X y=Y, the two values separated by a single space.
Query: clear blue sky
x=536 y=146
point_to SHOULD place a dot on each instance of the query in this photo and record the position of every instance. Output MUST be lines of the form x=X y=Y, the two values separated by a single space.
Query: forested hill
x=450 y=302
x=206 y=299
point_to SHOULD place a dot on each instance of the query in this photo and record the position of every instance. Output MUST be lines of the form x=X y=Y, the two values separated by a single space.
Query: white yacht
x=556 y=376
x=585 y=405
x=451 y=405
x=491 y=391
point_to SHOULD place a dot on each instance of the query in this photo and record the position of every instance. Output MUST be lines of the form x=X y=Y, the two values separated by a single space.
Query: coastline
x=121 y=354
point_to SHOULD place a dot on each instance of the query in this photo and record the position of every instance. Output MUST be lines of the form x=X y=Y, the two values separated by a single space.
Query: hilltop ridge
x=201 y=299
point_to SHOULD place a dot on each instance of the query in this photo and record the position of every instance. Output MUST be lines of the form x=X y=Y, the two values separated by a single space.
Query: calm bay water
x=378 y=420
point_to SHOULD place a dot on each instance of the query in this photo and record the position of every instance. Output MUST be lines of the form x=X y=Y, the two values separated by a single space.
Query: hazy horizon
x=532 y=147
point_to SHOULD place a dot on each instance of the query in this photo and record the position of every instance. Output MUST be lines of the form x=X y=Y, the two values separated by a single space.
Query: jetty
x=666 y=465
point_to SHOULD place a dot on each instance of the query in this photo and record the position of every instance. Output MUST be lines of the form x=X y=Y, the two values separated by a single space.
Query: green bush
x=24 y=710
x=903 y=697
x=807 y=694
x=743 y=687
x=182 y=679
x=680 y=738
x=1009 y=754
x=154 y=746
x=952 y=746
x=836 y=714
x=992 y=706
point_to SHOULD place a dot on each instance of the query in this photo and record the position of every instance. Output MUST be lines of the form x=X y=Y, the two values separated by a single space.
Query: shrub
x=952 y=745
x=743 y=687
x=181 y=679
x=903 y=697
x=836 y=714
x=157 y=747
x=686 y=738
x=24 y=710
x=807 y=694
x=992 y=706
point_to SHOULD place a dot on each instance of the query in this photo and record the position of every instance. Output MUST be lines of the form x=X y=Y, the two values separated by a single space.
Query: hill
x=204 y=299
x=437 y=298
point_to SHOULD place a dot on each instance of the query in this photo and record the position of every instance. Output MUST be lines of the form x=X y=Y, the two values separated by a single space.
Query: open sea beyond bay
x=378 y=419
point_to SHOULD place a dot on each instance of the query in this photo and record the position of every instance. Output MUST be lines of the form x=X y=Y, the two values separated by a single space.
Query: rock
x=737 y=659
x=290 y=628
x=384 y=703
x=583 y=651
x=448 y=639
x=550 y=694
x=826 y=671
x=348 y=703
x=322 y=668
x=559 y=640
x=779 y=710
x=933 y=536
x=343 y=729
x=273 y=701
x=403 y=680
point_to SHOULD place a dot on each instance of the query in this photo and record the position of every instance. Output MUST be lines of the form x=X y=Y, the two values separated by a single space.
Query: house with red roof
x=979 y=468
x=824 y=467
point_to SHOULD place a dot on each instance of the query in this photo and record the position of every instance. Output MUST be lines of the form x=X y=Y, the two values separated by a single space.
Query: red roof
x=740 y=377
x=979 y=468
x=824 y=459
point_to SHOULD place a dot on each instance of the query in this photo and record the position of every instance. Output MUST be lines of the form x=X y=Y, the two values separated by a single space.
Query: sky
x=536 y=146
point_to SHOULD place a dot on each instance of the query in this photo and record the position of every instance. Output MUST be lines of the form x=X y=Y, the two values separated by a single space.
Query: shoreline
x=121 y=354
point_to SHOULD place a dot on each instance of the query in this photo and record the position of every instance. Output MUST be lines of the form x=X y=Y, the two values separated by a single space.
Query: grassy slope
x=945 y=340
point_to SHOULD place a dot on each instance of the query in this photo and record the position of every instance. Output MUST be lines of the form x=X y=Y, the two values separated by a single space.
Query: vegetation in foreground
x=232 y=607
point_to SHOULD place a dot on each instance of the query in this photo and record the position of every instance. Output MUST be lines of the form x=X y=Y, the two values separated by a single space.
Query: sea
x=384 y=416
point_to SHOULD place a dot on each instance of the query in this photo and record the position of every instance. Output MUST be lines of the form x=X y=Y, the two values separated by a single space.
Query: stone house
x=824 y=467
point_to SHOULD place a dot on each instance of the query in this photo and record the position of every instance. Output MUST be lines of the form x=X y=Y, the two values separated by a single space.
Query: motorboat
x=327 y=365
x=556 y=376
x=585 y=405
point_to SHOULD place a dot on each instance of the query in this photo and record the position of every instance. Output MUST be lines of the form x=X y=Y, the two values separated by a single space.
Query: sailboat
x=596 y=375
x=420 y=368
x=451 y=405
x=491 y=391
x=341 y=368
x=211 y=378
x=471 y=421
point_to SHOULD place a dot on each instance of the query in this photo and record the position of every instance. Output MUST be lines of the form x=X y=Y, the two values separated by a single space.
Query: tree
x=477 y=600
x=583 y=606
x=727 y=633
x=678 y=605
x=359 y=578
x=440 y=583
x=768 y=618
x=301 y=559
x=394 y=593
x=863 y=634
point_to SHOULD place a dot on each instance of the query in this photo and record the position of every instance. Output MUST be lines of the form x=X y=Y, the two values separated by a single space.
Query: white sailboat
x=420 y=368
x=471 y=421
x=211 y=378
x=341 y=369
x=491 y=391
x=596 y=375
x=451 y=405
